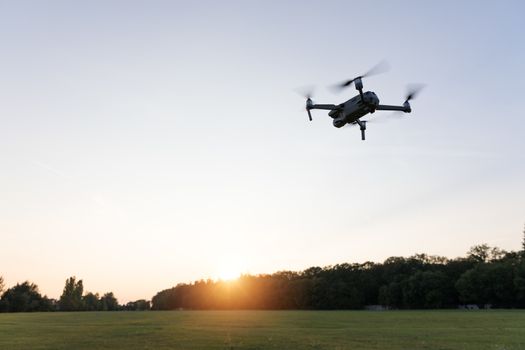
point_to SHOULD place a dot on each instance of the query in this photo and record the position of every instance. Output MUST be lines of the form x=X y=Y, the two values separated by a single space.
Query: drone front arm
x=324 y=106
x=405 y=108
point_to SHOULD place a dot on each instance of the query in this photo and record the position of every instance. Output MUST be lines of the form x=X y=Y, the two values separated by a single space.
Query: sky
x=148 y=143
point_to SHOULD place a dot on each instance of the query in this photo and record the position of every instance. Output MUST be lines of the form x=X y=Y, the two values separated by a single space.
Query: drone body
x=351 y=111
x=355 y=108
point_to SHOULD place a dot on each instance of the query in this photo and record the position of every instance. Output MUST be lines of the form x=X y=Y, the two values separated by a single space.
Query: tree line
x=25 y=297
x=485 y=277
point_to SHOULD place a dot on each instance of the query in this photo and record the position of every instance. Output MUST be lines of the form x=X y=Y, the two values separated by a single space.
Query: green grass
x=265 y=330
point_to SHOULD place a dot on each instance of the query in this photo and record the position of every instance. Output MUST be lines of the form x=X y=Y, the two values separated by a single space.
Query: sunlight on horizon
x=229 y=269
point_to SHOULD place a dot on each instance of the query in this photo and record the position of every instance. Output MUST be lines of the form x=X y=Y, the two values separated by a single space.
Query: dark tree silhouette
x=108 y=302
x=487 y=276
x=91 y=302
x=24 y=297
x=138 y=305
x=523 y=241
x=71 y=298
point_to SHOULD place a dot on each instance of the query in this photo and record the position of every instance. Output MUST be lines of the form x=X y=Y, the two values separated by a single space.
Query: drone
x=351 y=111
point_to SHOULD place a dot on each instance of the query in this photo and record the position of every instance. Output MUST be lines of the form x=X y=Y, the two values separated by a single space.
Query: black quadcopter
x=351 y=111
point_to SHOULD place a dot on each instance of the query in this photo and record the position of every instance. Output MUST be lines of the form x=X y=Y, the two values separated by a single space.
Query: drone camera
x=339 y=122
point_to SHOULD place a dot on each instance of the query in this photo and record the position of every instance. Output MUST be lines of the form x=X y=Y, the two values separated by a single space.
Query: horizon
x=228 y=277
x=148 y=143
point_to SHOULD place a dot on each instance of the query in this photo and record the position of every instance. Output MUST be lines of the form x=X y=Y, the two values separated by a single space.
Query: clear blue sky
x=146 y=143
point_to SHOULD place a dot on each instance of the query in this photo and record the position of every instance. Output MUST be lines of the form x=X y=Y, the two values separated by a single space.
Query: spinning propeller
x=307 y=94
x=413 y=91
x=379 y=68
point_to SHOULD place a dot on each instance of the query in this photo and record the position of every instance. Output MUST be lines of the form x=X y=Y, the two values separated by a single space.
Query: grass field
x=265 y=330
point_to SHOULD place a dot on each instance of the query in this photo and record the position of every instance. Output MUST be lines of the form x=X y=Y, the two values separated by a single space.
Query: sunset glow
x=229 y=269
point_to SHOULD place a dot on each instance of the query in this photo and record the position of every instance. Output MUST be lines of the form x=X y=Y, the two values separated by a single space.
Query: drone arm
x=405 y=108
x=324 y=106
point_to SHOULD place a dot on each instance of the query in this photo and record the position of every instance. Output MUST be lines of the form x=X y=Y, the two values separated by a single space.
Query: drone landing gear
x=362 y=126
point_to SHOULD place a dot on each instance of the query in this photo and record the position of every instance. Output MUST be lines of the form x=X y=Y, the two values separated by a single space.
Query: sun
x=229 y=275
x=229 y=269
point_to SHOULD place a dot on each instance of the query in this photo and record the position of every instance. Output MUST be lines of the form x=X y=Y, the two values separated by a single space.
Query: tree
x=109 y=302
x=428 y=289
x=91 y=302
x=392 y=294
x=71 y=298
x=47 y=304
x=519 y=283
x=488 y=283
x=484 y=253
x=523 y=241
x=138 y=305
x=24 y=297
x=1 y=285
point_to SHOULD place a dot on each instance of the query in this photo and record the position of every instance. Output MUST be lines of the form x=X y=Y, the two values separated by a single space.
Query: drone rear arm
x=405 y=108
x=310 y=105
